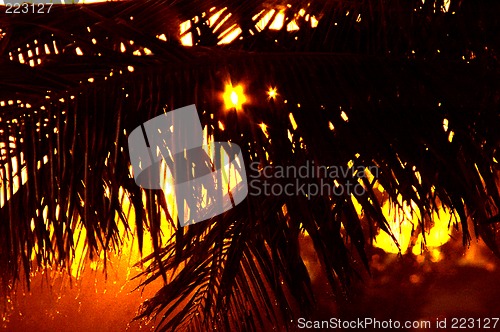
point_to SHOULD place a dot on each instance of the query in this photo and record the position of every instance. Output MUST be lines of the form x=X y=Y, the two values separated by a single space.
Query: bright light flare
x=234 y=97
x=263 y=126
x=272 y=93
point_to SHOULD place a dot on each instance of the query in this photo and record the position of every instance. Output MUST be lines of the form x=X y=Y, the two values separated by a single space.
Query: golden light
x=402 y=222
x=344 y=116
x=263 y=126
x=262 y=23
x=215 y=17
x=221 y=126
x=186 y=37
x=292 y=26
x=314 y=22
x=278 y=21
x=292 y=121
x=403 y=217
x=234 y=97
x=230 y=34
x=272 y=93
x=450 y=136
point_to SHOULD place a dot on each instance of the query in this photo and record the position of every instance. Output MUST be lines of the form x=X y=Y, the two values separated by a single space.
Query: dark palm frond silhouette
x=370 y=85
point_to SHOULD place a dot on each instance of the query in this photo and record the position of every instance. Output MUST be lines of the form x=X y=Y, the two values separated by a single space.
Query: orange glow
x=234 y=97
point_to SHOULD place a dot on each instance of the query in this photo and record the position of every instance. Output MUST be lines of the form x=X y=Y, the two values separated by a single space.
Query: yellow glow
x=292 y=121
x=446 y=5
x=344 y=116
x=436 y=255
x=185 y=26
x=400 y=226
x=292 y=26
x=314 y=22
x=257 y=15
x=80 y=253
x=264 y=20
x=263 y=126
x=278 y=21
x=445 y=125
x=402 y=220
x=234 y=97
x=129 y=242
x=272 y=93
x=229 y=35
x=215 y=17
x=186 y=37
x=450 y=136
x=221 y=22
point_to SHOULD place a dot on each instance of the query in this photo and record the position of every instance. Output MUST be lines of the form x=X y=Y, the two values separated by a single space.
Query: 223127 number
x=28 y=8
x=474 y=323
